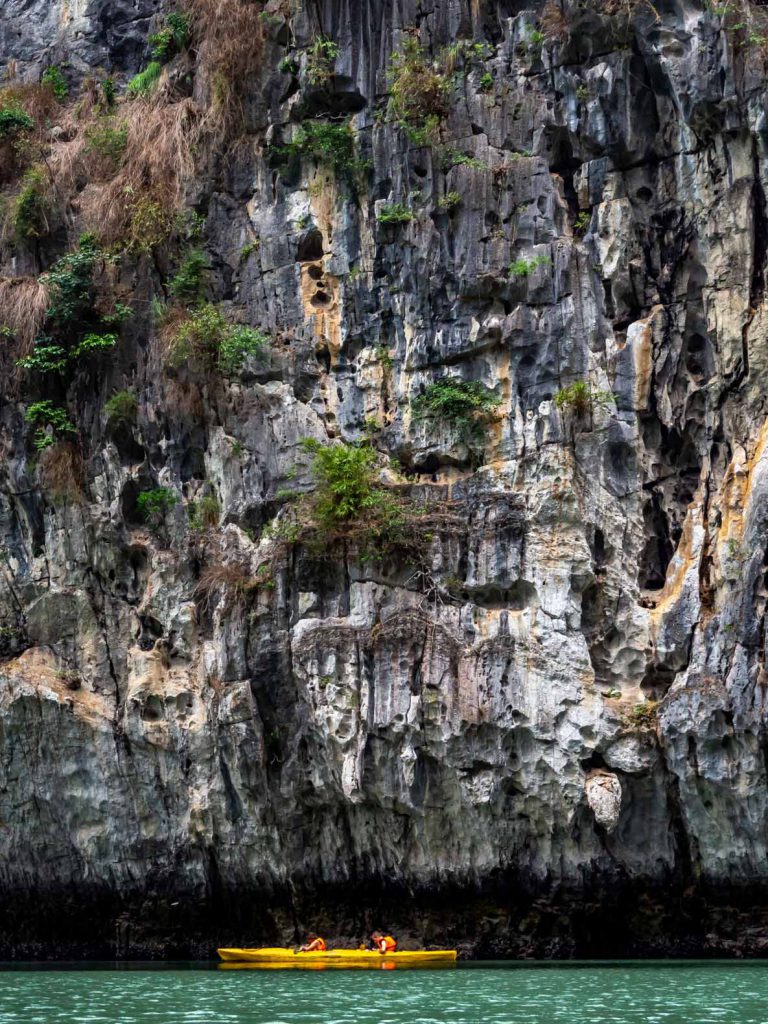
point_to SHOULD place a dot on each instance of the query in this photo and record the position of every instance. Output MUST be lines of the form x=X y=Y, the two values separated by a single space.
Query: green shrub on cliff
x=70 y=281
x=348 y=501
x=345 y=480
x=143 y=84
x=394 y=213
x=321 y=59
x=108 y=138
x=172 y=38
x=418 y=93
x=154 y=505
x=644 y=715
x=332 y=145
x=14 y=121
x=524 y=268
x=46 y=357
x=121 y=409
x=189 y=281
x=204 y=513
x=33 y=205
x=93 y=344
x=206 y=340
x=54 y=79
x=464 y=405
x=51 y=421
x=238 y=342
x=74 y=331
x=580 y=398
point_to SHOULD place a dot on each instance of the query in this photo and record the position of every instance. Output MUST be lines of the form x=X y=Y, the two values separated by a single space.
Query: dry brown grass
x=17 y=154
x=229 y=35
x=61 y=471
x=167 y=332
x=38 y=100
x=137 y=205
x=23 y=303
x=233 y=580
x=626 y=8
x=553 y=22
x=132 y=201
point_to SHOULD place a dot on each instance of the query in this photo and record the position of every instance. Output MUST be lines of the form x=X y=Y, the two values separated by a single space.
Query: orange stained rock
x=736 y=487
x=495 y=434
x=686 y=557
x=37 y=670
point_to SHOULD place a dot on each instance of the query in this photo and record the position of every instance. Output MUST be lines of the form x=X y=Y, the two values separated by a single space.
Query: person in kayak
x=383 y=943
x=314 y=944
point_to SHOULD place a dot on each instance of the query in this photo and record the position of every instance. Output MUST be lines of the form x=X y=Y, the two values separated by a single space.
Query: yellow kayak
x=282 y=957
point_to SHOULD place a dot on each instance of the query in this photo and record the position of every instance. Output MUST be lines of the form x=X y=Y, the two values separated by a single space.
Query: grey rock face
x=477 y=728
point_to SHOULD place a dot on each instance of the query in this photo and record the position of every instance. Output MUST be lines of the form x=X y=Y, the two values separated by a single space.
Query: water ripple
x=584 y=994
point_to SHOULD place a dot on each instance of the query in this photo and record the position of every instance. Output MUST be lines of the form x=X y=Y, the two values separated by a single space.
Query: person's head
x=311 y=937
x=376 y=935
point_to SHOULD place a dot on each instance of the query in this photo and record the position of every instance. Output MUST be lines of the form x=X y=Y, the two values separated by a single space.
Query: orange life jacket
x=389 y=944
x=319 y=945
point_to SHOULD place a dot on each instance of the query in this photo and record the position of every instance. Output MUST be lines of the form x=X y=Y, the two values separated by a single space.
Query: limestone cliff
x=533 y=722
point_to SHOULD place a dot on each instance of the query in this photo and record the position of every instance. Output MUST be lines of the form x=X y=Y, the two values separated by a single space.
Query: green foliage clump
x=121 y=409
x=535 y=39
x=204 y=513
x=33 y=204
x=154 y=505
x=524 y=268
x=580 y=398
x=394 y=213
x=150 y=225
x=643 y=716
x=189 y=282
x=52 y=422
x=321 y=60
x=453 y=400
x=54 y=79
x=172 y=38
x=207 y=338
x=581 y=223
x=250 y=248
x=46 y=357
x=109 y=92
x=332 y=145
x=118 y=315
x=449 y=201
x=14 y=121
x=486 y=82
x=418 y=92
x=70 y=281
x=238 y=342
x=70 y=316
x=107 y=138
x=143 y=84
x=464 y=405
x=345 y=480
x=348 y=502
x=384 y=356
x=455 y=158
x=93 y=344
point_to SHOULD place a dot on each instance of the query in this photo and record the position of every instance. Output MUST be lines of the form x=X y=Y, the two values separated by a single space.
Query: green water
x=667 y=993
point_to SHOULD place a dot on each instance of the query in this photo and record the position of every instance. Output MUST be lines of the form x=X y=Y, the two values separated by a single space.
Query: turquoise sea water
x=624 y=993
